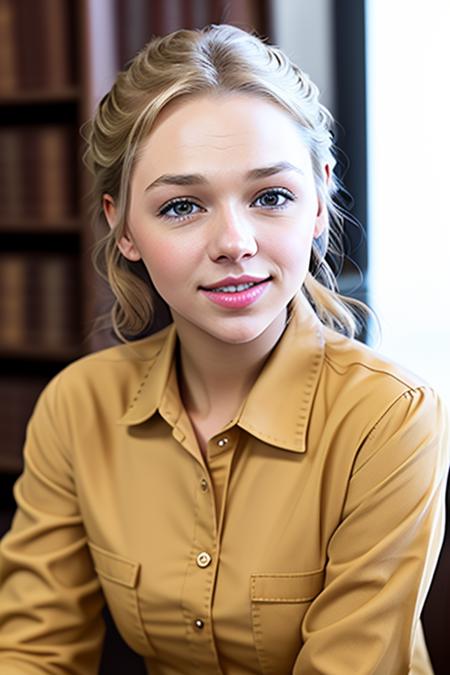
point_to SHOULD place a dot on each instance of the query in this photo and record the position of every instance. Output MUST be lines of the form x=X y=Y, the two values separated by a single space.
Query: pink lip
x=240 y=299
x=244 y=279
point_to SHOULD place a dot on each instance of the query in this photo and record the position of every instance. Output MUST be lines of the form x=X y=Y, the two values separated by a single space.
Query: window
x=408 y=104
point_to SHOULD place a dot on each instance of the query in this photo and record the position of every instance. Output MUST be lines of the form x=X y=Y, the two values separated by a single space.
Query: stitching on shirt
x=141 y=386
x=409 y=393
x=129 y=567
x=385 y=371
x=258 y=636
x=286 y=575
x=370 y=436
x=187 y=614
x=208 y=586
x=281 y=575
x=120 y=353
x=303 y=412
x=209 y=581
x=283 y=599
x=269 y=437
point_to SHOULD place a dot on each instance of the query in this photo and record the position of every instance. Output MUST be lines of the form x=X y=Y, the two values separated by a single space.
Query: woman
x=250 y=490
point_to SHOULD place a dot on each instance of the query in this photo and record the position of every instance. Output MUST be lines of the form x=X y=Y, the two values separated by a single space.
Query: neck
x=216 y=375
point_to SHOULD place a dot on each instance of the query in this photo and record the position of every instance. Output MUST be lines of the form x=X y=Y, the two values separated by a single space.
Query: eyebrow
x=199 y=179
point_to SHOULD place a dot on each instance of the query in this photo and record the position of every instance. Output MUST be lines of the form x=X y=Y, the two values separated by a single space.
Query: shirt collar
x=151 y=390
x=278 y=407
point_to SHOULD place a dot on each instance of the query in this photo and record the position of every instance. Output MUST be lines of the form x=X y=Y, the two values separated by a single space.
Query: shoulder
x=105 y=379
x=365 y=403
x=125 y=361
x=364 y=386
x=353 y=360
x=128 y=356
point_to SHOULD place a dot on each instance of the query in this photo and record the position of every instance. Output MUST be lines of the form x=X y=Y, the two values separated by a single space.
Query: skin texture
x=225 y=222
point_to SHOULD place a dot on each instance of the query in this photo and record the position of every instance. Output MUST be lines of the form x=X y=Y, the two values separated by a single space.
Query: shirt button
x=203 y=559
x=222 y=442
x=198 y=623
x=204 y=485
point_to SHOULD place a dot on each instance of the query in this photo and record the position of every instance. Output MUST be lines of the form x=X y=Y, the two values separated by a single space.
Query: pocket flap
x=286 y=587
x=115 y=567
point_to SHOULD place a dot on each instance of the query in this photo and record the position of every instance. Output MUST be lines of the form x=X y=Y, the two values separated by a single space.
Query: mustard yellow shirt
x=304 y=544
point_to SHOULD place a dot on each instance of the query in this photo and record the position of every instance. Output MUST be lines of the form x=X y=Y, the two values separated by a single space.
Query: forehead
x=222 y=131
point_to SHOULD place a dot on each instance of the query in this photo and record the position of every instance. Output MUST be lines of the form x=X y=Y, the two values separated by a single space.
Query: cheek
x=293 y=252
x=167 y=262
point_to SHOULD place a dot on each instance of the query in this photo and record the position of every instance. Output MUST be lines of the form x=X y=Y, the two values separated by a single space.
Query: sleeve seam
x=370 y=437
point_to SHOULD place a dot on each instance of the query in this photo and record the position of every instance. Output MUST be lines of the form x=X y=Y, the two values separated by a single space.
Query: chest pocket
x=119 y=579
x=279 y=603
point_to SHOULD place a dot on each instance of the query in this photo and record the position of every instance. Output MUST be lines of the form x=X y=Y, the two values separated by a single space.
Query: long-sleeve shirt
x=303 y=543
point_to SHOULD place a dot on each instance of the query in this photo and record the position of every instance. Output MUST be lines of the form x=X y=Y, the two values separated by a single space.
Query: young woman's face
x=223 y=210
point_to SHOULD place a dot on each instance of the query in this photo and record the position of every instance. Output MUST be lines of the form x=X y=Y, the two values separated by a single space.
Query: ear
x=125 y=244
x=322 y=219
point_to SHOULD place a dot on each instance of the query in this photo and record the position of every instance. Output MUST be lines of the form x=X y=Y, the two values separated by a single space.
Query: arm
x=382 y=556
x=50 y=598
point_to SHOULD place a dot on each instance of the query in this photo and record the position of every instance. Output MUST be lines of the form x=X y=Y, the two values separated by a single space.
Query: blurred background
x=382 y=69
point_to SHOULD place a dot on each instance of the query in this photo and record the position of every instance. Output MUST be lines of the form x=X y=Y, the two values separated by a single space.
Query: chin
x=239 y=335
x=230 y=330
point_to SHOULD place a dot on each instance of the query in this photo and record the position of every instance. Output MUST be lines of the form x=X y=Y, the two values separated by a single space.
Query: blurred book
x=11 y=174
x=37 y=174
x=34 y=36
x=8 y=63
x=12 y=295
x=39 y=303
x=56 y=187
x=139 y=20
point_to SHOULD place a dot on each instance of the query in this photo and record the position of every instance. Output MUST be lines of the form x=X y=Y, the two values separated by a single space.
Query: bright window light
x=408 y=88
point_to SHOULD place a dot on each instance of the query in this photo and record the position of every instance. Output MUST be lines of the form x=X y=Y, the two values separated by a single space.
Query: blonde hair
x=219 y=58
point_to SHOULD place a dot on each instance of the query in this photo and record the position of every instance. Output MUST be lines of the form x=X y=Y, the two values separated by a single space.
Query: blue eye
x=275 y=198
x=179 y=209
x=183 y=208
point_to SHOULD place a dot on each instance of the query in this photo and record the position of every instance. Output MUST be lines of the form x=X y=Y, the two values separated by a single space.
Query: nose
x=232 y=238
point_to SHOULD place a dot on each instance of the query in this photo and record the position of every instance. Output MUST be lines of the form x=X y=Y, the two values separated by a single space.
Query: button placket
x=199 y=585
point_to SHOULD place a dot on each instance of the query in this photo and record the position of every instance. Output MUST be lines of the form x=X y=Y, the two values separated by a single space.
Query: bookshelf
x=42 y=242
x=57 y=59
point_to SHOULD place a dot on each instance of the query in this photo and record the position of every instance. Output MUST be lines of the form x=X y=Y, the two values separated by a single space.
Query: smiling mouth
x=236 y=296
x=235 y=288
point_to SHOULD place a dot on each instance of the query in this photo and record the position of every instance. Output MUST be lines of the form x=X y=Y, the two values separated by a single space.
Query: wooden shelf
x=41 y=96
x=10 y=464
x=65 y=225
x=40 y=352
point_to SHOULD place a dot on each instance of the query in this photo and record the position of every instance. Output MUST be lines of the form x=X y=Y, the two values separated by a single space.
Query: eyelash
x=163 y=212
